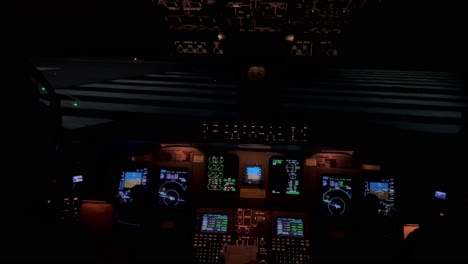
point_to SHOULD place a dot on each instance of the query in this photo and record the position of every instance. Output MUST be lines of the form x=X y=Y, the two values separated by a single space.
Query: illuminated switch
x=292 y=135
x=252 y=135
x=236 y=135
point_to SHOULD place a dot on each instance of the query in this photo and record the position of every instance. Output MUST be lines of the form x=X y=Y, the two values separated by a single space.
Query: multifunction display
x=173 y=186
x=285 y=176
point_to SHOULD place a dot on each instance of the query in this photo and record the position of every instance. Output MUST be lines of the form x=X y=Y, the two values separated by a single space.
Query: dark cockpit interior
x=249 y=131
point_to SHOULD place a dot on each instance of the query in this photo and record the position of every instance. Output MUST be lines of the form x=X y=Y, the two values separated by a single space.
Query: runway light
x=75 y=104
x=289 y=37
x=221 y=36
x=43 y=89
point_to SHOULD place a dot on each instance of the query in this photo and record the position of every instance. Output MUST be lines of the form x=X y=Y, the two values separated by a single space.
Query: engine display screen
x=336 y=193
x=129 y=179
x=222 y=172
x=384 y=189
x=173 y=186
x=285 y=176
x=289 y=227
x=214 y=223
x=253 y=174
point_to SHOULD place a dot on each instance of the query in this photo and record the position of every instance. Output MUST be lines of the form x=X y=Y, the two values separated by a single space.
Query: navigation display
x=253 y=174
x=222 y=172
x=384 y=189
x=289 y=227
x=285 y=176
x=336 y=193
x=129 y=179
x=214 y=223
x=172 y=186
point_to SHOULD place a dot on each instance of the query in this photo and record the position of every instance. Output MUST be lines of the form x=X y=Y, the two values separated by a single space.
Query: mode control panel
x=255 y=132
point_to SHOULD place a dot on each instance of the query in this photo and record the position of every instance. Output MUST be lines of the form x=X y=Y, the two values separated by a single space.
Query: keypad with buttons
x=290 y=250
x=208 y=247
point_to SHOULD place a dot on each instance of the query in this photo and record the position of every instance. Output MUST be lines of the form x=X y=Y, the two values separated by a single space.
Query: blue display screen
x=253 y=174
x=77 y=178
x=440 y=195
